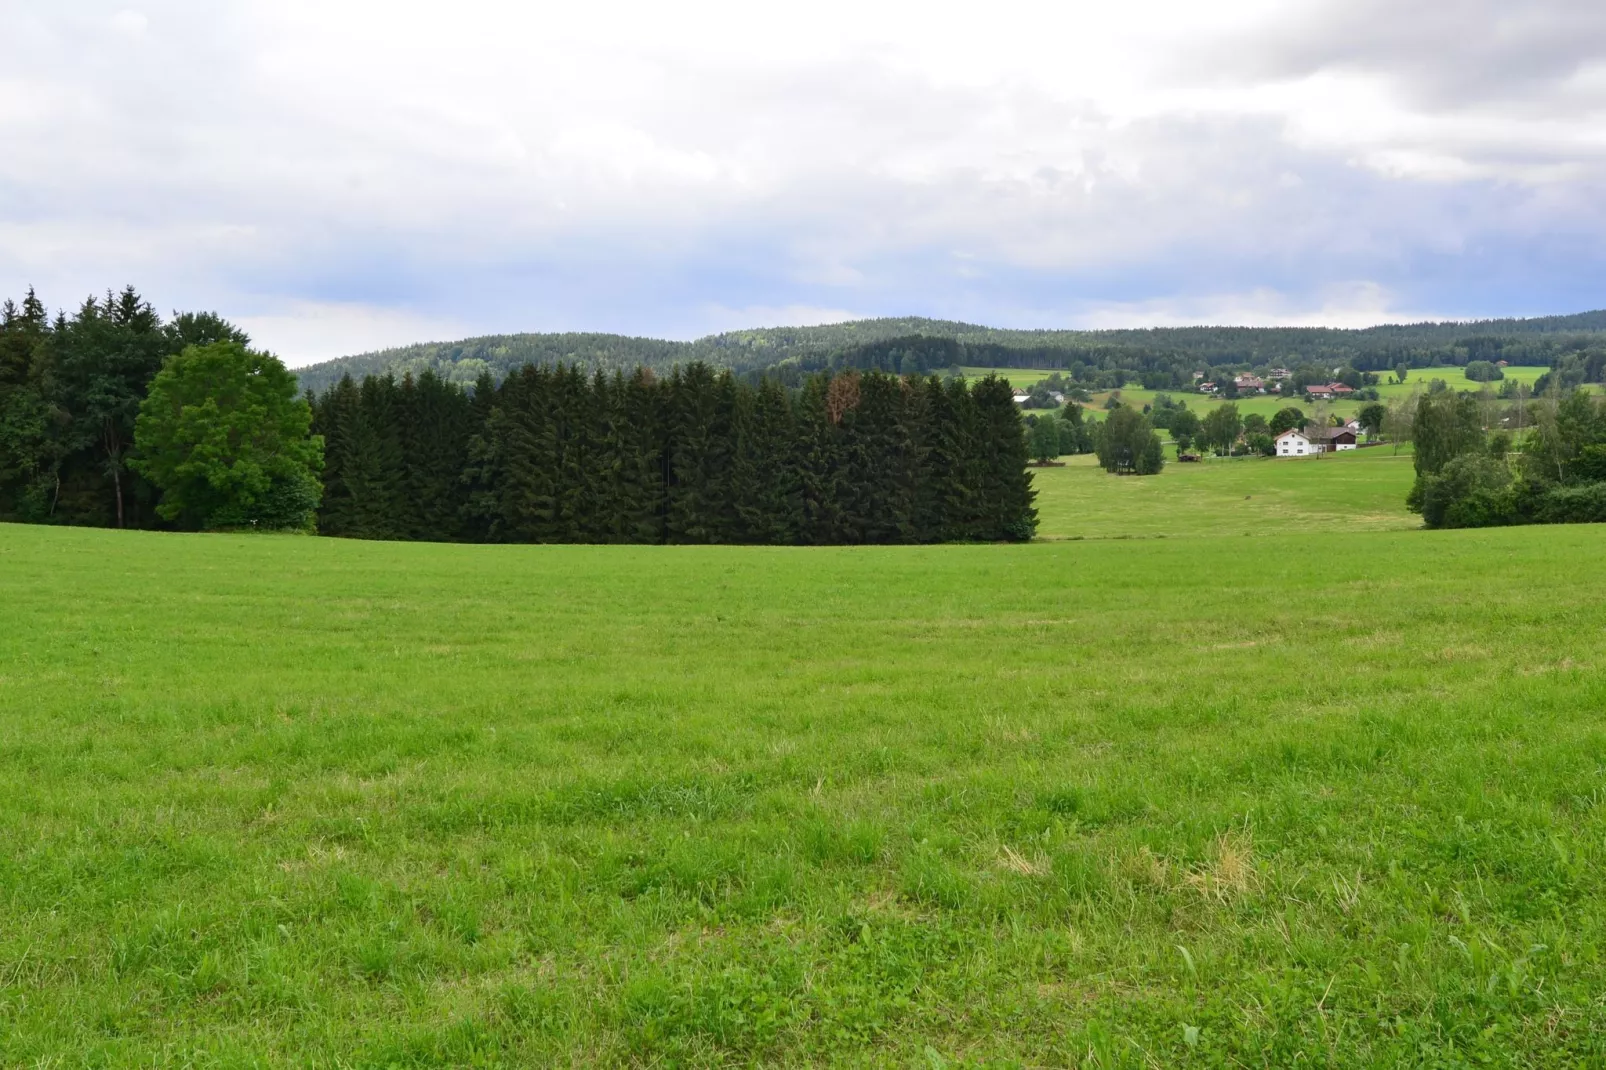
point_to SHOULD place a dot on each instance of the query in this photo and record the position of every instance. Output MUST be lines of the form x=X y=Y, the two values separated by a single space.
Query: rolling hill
x=1520 y=341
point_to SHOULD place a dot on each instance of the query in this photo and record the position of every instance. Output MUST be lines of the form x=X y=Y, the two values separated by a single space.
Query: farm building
x=1334 y=439
x=1294 y=444
x=1318 y=440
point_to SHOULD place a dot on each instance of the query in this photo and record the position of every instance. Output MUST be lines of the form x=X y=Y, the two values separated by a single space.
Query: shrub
x=1436 y=495
x=1581 y=504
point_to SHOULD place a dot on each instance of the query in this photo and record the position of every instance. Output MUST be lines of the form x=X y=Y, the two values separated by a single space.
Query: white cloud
x=651 y=167
x=306 y=332
x=1354 y=304
x=718 y=318
x=130 y=23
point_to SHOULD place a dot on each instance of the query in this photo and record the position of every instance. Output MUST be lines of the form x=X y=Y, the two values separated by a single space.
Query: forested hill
x=914 y=343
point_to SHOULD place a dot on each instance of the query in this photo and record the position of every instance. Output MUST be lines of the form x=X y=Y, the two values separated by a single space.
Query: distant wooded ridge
x=1162 y=357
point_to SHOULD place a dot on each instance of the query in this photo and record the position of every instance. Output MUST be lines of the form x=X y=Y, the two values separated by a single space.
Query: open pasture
x=1454 y=378
x=1363 y=490
x=1266 y=405
x=1327 y=796
x=1025 y=378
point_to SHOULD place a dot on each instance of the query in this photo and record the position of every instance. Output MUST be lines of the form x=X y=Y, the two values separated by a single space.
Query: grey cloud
x=1440 y=54
x=184 y=157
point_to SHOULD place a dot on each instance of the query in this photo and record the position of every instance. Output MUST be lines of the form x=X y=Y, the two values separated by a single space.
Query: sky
x=342 y=175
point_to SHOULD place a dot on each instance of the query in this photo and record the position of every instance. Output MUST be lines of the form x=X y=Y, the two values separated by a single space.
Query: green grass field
x=1455 y=378
x=1267 y=405
x=1020 y=377
x=1363 y=490
x=1331 y=795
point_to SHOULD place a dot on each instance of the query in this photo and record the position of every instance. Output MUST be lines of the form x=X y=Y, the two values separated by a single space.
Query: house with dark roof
x=1314 y=440
x=1332 y=439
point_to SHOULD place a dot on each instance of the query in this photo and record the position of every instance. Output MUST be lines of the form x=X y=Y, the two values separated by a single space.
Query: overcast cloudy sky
x=343 y=174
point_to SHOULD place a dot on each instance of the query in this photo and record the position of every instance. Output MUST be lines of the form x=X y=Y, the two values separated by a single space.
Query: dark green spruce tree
x=438 y=423
x=767 y=489
x=1004 y=486
x=702 y=407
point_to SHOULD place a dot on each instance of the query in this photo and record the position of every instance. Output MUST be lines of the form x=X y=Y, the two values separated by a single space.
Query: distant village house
x=1317 y=440
x=1293 y=444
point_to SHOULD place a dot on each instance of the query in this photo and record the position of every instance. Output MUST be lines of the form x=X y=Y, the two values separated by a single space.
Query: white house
x=1294 y=444
x=1322 y=440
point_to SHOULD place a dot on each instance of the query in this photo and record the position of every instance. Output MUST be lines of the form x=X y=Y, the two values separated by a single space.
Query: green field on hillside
x=1455 y=378
x=1363 y=490
x=1331 y=795
x=1020 y=377
x=1267 y=405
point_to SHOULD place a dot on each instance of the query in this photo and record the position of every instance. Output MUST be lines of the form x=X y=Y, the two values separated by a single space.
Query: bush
x=1590 y=466
x=1152 y=459
x=1444 y=498
x=1581 y=504
x=1483 y=508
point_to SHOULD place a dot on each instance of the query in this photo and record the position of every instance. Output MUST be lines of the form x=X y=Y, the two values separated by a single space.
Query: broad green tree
x=1128 y=444
x=1287 y=419
x=224 y=437
x=1221 y=427
x=1184 y=427
x=1076 y=435
x=1446 y=425
x=1399 y=424
x=1372 y=416
x=1046 y=438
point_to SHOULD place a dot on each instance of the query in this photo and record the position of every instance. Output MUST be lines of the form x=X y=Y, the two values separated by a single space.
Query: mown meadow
x=1362 y=490
x=1327 y=795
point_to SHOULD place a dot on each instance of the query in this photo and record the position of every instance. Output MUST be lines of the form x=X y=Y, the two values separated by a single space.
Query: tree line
x=551 y=454
x=1159 y=359
x=71 y=387
x=112 y=416
x=1545 y=464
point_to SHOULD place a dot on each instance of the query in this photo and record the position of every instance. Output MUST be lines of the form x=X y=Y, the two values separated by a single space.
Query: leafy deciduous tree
x=224 y=436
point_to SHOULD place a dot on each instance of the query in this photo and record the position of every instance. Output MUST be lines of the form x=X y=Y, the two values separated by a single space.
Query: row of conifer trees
x=552 y=455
